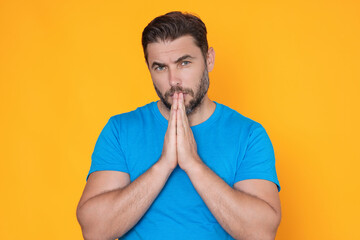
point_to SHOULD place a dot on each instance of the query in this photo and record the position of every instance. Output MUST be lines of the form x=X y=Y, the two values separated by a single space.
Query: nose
x=174 y=77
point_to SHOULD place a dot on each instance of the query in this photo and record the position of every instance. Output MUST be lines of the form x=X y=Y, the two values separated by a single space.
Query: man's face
x=178 y=66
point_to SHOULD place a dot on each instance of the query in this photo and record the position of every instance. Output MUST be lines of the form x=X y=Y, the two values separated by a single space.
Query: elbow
x=93 y=228
x=276 y=223
x=88 y=226
x=256 y=234
x=88 y=232
x=95 y=234
x=265 y=230
x=270 y=230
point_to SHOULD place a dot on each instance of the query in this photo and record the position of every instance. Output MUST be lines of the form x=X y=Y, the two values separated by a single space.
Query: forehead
x=169 y=51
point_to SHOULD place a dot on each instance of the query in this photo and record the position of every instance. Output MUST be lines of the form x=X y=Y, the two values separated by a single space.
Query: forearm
x=110 y=215
x=243 y=216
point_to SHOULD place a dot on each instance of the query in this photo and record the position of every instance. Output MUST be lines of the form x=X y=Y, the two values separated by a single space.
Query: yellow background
x=67 y=66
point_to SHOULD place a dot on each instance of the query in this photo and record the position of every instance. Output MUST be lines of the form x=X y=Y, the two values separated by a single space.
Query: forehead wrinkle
x=165 y=48
x=169 y=58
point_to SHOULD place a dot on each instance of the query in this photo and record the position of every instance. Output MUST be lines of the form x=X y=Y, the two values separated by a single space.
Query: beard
x=198 y=95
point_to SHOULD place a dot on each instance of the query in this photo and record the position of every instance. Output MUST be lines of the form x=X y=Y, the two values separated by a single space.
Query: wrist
x=196 y=167
x=164 y=166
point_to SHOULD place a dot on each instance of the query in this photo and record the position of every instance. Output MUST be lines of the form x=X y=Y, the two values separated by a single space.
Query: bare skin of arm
x=111 y=205
x=243 y=215
x=250 y=210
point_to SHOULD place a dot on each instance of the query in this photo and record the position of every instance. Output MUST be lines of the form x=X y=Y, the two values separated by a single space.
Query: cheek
x=188 y=77
x=159 y=83
x=191 y=78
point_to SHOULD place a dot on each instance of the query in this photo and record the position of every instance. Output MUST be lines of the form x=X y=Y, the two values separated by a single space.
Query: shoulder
x=134 y=116
x=251 y=132
x=236 y=120
x=133 y=120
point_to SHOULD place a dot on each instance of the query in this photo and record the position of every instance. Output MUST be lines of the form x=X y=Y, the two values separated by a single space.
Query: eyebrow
x=157 y=64
x=187 y=56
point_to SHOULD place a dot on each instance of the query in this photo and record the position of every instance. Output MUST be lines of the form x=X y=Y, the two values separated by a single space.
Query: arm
x=250 y=210
x=111 y=205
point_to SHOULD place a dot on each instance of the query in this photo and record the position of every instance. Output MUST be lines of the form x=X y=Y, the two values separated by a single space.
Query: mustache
x=178 y=89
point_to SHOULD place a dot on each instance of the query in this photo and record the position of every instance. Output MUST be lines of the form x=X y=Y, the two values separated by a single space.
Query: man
x=183 y=167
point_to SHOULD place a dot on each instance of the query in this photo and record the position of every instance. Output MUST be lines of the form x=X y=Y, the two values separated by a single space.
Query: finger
x=184 y=117
x=173 y=108
x=179 y=122
x=181 y=102
x=175 y=101
x=172 y=118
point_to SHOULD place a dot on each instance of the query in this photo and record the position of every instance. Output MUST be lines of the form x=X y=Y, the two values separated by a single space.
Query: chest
x=216 y=149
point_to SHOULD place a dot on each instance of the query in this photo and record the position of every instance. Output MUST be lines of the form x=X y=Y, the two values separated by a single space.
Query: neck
x=199 y=115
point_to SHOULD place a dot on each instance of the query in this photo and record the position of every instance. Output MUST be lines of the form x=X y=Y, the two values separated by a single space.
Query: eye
x=160 y=68
x=184 y=63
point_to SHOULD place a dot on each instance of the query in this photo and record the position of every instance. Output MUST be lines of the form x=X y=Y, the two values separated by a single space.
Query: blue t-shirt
x=233 y=146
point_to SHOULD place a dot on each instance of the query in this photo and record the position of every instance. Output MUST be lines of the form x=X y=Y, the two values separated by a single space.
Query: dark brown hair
x=173 y=25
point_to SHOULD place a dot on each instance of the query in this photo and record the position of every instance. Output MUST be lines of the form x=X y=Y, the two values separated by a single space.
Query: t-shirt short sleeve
x=108 y=153
x=258 y=162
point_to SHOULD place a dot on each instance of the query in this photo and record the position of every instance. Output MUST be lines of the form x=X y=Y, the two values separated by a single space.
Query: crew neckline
x=213 y=117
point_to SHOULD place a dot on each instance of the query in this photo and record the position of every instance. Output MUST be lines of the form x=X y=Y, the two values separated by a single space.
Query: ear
x=210 y=59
